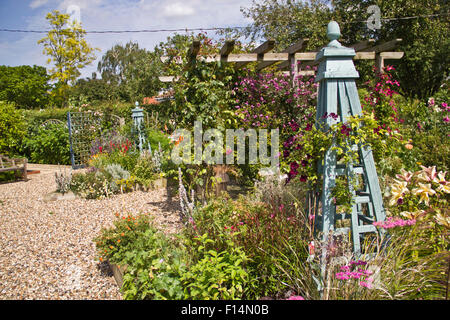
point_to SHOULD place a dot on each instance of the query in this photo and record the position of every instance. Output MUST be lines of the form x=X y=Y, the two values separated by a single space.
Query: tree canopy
x=66 y=47
x=26 y=86
x=131 y=71
x=423 y=25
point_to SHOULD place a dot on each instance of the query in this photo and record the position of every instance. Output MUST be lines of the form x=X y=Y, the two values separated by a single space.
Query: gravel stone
x=46 y=247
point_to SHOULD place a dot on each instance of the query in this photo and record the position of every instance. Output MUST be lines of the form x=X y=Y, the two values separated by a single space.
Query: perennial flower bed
x=264 y=245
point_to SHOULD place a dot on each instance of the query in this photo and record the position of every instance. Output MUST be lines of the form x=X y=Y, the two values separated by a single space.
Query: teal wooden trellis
x=138 y=117
x=338 y=94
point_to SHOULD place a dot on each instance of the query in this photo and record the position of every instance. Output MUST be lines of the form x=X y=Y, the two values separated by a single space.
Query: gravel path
x=46 y=248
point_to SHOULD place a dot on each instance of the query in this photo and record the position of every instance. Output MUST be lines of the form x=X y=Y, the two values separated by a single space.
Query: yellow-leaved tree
x=67 y=49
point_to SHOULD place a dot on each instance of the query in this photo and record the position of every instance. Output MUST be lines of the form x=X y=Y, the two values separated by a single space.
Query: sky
x=22 y=48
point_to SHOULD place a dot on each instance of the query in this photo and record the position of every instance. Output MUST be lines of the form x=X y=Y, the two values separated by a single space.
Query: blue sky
x=22 y=48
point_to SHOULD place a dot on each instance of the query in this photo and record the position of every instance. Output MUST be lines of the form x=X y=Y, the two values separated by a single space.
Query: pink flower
x=366 y=284
x=394 y=222
x=296 y=298
x=446 y=119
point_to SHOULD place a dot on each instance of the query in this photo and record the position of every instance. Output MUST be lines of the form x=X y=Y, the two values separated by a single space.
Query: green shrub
x=48 y=144
x=26 y=86
x=7 y=176
x=154 y=265
x=37 y=117
x=12 y=129
x=216 y=275
x=145 y=170
x=157 y=138
x=262 y=229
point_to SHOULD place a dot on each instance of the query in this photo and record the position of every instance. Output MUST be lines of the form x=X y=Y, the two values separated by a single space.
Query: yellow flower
x=397 y=191
x=444 y=186
x=442 y=220
x=424 y=191
x=412 y=215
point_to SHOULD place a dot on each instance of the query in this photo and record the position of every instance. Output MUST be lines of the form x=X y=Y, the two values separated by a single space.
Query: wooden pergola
x=291 y=56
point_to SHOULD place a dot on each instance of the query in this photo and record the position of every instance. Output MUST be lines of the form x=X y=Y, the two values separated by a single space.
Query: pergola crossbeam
x=296 y=47
x=263 y=48
x=389 y=45
x=363 y=45
x=365 y=50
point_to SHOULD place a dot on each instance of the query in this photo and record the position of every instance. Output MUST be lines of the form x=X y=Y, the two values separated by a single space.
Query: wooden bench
x=18 y=165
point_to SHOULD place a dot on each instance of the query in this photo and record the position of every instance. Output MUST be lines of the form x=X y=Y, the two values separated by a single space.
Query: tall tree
x=133 y=71
x=286 y=21
x=67 y=49
x=422 y=24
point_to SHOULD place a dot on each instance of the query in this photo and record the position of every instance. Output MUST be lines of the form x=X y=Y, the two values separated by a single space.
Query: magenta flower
x=296 y=298
x=394 y=222
x=345 y=130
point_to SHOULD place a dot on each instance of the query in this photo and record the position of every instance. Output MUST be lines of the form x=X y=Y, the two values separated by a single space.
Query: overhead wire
x=202 y=29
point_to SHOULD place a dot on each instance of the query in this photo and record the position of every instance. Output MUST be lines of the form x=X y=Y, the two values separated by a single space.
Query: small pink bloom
x=296 y=298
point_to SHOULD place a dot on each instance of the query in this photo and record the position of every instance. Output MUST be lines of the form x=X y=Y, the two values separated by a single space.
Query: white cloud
x=123 y=15
x=37 y=3
x=178 y=9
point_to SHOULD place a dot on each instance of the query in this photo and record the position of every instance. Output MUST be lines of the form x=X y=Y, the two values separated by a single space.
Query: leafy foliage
x=25 y=86
x=48 y=144
x=425 y=40
x=12 y=128
x=216 y=275
x=203 y=91
x=67 y=49
x=131 y=72
x=154 y=265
